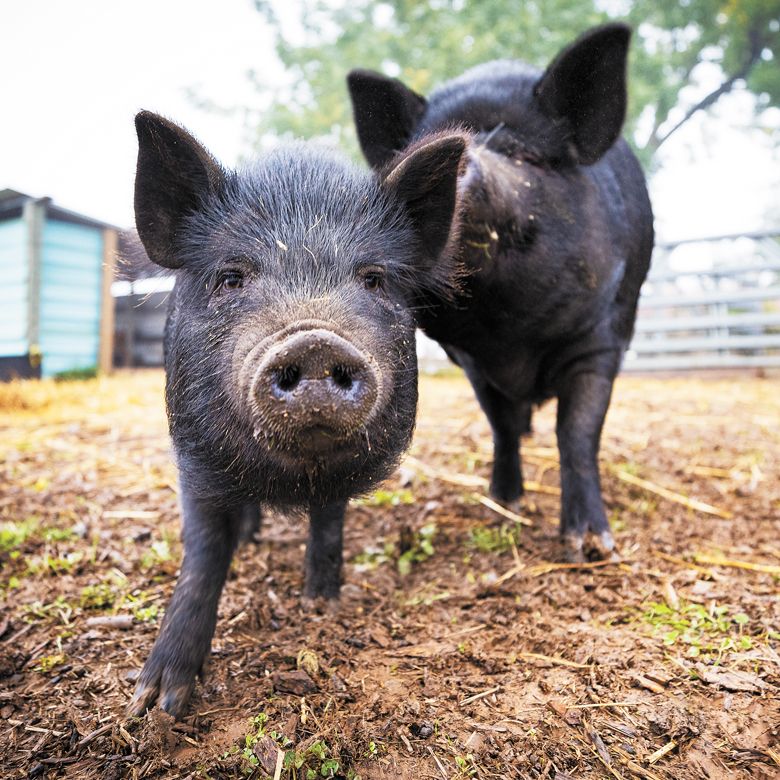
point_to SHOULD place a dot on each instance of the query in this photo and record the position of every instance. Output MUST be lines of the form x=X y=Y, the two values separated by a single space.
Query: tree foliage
x=425 y=42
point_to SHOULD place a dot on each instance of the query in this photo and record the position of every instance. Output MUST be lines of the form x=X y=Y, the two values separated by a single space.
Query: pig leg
x=508 y=420
x=582 y=406
x=249 y=524
x=210 y=535
x=322 y=578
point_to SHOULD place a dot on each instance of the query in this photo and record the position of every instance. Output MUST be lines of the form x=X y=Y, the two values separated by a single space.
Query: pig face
x=291 y=370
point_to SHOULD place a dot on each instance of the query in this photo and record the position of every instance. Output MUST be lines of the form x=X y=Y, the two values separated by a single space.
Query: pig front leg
x=322 y=577
x=210 y=534
x=508 y=420
x=582 y=405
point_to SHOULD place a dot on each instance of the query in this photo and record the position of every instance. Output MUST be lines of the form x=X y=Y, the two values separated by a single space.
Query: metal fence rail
x=723 y=314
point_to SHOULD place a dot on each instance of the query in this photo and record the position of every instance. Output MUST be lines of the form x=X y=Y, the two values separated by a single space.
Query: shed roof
x=12 y=206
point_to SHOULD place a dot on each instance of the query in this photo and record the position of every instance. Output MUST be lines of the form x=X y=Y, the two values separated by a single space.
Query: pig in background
x=291 y=374
x=556 y=237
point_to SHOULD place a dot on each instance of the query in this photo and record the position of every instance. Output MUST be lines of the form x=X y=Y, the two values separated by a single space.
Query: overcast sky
x=75 y=73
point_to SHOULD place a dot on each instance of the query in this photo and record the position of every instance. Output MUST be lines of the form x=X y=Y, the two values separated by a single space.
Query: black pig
x=556 y=240
x=289 y=349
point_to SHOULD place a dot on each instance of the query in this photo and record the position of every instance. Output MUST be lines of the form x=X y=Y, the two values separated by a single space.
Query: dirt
x=462 y=647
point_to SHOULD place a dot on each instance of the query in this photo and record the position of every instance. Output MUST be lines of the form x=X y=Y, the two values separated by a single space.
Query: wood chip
x=731 y=680
x=111 y=621
x=661 y=752
x=477 y=696
x=298 y=682
x=645 y=682
x=598 y=743
x=670 y=595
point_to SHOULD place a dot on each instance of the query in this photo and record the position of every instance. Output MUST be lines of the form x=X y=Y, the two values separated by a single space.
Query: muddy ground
x=463 y=647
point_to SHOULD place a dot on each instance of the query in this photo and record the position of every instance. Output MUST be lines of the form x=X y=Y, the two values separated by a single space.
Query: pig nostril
x=287 y=377
x=342 y=376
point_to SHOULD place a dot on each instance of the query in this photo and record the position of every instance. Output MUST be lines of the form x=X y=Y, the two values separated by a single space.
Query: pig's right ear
x=585 y=86
x=425 y=180
x=174 y=176
x=386 y=113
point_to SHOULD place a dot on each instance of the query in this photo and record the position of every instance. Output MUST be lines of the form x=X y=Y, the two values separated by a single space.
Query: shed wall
x=14 y=273
x=70 y=290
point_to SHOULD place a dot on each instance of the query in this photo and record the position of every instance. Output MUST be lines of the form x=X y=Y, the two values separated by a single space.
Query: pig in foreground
x=289 y=349
x=556 y=236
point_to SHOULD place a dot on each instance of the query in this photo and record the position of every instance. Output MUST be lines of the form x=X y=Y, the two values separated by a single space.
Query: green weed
x=312 y=762
x=14 y=534
x=494 y=540
x=420 y=550
x=47 y=663
x=387 y=498
x=59 y=610
x=373 y=557
x=101 y=596
x=702 y=632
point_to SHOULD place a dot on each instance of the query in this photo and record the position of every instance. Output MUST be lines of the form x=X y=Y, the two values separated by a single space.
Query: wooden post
x=34 y=216
x=106 y=345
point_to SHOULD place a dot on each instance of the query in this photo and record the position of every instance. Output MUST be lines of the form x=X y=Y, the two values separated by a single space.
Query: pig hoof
x=573 y=548
x=152 y=688
x=515 y=505
x=174 y=701
x=319 y=605
x=601 y=547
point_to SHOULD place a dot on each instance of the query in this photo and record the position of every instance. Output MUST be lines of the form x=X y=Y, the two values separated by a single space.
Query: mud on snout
x=309 y=389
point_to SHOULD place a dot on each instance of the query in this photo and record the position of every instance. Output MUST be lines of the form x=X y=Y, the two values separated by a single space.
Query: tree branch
x=755 y=52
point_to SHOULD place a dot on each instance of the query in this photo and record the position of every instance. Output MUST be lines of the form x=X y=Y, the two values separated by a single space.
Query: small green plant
x=375 y=750
x=312 y=762
x=47 y=663
x=158 y=553
x=99 y=596
x=58 y=564
x=142 y=607
x=53 y=535
x=14 y=534
x=494 y=540
x=387 y=498
x=466 y=766
x=703 y=632
x=59 y=609
x=373 y=557
x=420 y=550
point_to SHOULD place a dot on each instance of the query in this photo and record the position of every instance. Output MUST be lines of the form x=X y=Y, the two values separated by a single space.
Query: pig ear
x=425 y=179
x=586 y=84
x=174 y=174
x=386 y=113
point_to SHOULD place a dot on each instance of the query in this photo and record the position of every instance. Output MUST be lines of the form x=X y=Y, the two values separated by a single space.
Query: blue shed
x=56 y=268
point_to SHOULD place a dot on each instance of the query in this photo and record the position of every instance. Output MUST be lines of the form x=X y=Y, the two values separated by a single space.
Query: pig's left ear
x=175 y=175
x=425 y=180
x=385 y=111
x=586 y=85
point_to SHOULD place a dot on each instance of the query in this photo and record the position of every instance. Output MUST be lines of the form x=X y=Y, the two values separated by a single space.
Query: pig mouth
x=311 y=392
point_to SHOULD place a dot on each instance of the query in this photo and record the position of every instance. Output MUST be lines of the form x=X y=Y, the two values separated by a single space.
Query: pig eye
x=230 y=280
x=372 y=278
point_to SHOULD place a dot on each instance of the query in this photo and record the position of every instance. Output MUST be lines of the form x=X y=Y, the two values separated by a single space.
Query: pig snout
x=312 y=389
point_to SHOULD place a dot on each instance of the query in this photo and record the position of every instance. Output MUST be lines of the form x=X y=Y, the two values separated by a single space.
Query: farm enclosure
x=472 y=653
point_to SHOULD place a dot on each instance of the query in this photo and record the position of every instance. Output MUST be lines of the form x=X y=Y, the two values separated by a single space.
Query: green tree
x=424 y=42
